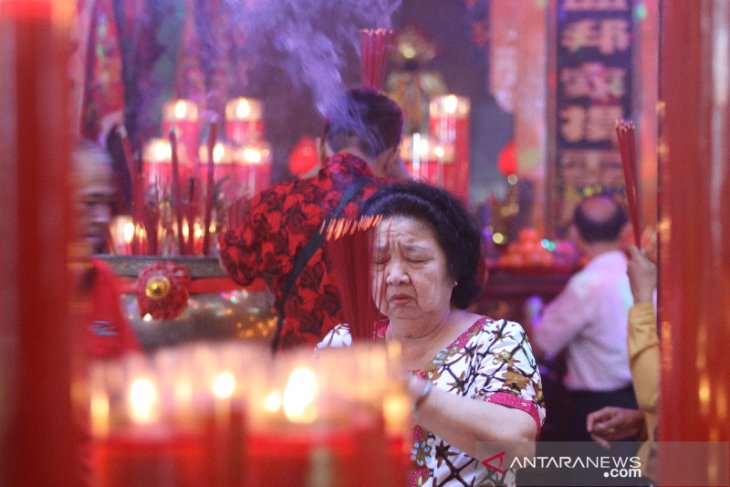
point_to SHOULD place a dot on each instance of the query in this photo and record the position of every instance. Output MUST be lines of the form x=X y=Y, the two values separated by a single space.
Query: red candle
x=158 y=163
x=244 y=124
x=449 y=129
x=302 y=456
x=140 y=457
x=225 y=440
x=182 y=116
x=35 y=222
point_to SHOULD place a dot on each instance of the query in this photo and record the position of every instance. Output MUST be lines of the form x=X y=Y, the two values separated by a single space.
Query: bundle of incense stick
x=627 y=147
x=374 y=47
x=348 y=246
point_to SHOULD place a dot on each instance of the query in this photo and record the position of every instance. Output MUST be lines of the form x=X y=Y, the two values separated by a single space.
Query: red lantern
x=303 y=157
x=507 y=160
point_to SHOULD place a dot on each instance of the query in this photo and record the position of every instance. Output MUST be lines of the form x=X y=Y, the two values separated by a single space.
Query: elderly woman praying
x=474 y=381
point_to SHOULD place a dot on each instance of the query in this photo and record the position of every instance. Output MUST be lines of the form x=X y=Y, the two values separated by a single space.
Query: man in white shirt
x=588 y=319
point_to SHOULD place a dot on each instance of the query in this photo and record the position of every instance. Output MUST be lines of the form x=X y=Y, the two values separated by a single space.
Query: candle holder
x=217 y=308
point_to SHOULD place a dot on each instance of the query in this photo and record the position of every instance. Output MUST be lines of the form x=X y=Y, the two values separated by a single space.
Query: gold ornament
x=157 y=288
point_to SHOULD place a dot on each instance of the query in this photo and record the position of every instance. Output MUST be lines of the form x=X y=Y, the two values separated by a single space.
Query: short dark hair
x=366 y=114
x=604 y=230
x=455 y=229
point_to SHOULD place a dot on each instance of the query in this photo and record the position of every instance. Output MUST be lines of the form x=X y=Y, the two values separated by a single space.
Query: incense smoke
x=309 y=41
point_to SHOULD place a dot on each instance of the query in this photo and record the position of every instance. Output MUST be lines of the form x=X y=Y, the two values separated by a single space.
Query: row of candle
x=224 y=414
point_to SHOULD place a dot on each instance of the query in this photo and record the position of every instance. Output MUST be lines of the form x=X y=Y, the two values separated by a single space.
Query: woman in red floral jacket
x=361 y=143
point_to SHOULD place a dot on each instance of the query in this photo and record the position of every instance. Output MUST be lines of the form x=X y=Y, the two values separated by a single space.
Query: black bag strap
x=305 y=255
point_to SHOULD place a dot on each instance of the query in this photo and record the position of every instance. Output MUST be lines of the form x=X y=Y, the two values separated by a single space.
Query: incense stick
x=176 y=190
x=211 y=187
x=627 y=147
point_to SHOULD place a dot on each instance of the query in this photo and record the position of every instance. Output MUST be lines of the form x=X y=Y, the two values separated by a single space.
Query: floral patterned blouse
x=491 y=361
x=278 y=223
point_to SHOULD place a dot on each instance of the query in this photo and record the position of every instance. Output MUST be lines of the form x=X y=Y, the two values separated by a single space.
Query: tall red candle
x=35 y=224
x=449 y=129
x=694 y=292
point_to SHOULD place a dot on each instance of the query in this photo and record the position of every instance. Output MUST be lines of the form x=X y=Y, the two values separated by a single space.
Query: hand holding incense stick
x=627 y=147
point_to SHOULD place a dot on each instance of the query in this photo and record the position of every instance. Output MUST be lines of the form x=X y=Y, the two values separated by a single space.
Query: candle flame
x=243 y=108
x=224 y=385
x=450 y=104
x=99 y=414
x=252 y=155
x=272 y=401
x=128 y=231
x=158 y=151
x=300 y=394
x=144 y=407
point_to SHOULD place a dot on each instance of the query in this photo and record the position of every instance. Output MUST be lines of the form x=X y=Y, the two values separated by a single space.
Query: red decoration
x=162 y=290
x=507 y=160
x=303 y=156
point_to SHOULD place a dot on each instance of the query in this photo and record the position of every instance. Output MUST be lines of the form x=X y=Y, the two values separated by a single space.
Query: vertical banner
x=592 y=62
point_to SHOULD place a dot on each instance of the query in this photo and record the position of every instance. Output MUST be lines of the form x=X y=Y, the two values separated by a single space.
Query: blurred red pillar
x=695 y=223
x=37 y=445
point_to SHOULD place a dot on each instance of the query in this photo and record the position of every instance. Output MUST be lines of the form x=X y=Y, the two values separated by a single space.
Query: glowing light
x=252 y=155
x=300 y=395
x=451 y=103
x=547 y=244
x=128 y=231
x=181 y=110
x=143 y=401
x=157 y=151
x=512 y=179
x=99 y=413
x=640 y=11
x=272 y=401
x=498 y=238
x=224 y=385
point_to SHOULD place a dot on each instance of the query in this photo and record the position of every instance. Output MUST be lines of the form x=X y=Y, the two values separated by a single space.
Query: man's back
x=278 y=223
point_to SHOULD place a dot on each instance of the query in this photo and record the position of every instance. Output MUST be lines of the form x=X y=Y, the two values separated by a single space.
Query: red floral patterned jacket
x=278 y=223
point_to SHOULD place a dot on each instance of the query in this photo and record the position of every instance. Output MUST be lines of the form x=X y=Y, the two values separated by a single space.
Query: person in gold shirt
x=612 y=423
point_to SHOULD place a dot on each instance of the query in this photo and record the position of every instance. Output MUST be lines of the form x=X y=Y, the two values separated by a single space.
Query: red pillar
x=36 y=429
x=695 y=224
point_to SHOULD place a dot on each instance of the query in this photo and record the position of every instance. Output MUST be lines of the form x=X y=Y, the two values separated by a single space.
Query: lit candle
x=122 y=232
x=253 y=168
x=157 y=155
x=290 y=443
x=449 y=127
x=182 y=116
x=244 y=121
x=140 y=445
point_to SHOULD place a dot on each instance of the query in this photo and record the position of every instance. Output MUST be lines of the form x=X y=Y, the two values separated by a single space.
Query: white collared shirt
x=589 y=320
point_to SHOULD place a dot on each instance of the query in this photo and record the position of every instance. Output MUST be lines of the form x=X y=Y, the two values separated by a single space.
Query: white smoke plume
x=310 y=41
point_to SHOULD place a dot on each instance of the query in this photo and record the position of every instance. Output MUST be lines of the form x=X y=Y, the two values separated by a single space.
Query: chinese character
x=594 y=80
x=573 y=127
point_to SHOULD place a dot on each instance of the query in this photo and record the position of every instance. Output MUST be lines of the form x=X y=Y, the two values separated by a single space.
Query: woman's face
x=410 y=278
